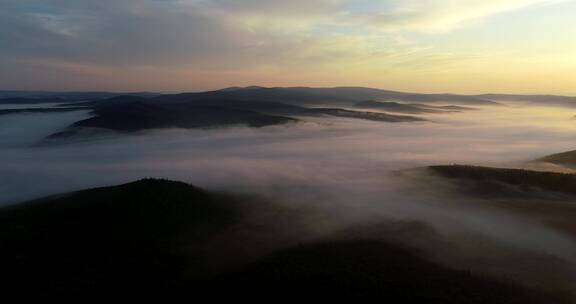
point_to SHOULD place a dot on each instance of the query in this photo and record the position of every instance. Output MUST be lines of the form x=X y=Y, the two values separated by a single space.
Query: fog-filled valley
x=327 y=176
x=317 y=151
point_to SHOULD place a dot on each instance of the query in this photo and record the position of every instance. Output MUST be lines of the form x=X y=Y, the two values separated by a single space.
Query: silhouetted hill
x=277 y=108
x=564 y=159
x=131 y=116
x=301 y=95
x=366 y=270
x=147 y=238
x=396 y=107
x=134 y=113
x=543 y=100
x=269 y=107
x=126 y=237
x=499 y=181
x=339 y=96
x=374 y=116
x=448 y=108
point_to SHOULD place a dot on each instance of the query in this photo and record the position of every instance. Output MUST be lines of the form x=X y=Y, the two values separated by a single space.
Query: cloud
x=320 y=153
x=443 y=15
x=389 y=15
x=155 y=31
x=130 y=32
x=283 y=8
x=217 y=36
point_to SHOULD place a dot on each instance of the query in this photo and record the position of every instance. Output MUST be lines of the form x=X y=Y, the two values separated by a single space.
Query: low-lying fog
x=343 y=152
x=346 y=166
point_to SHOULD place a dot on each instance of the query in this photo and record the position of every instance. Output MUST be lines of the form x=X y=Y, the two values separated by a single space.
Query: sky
x=458 y=46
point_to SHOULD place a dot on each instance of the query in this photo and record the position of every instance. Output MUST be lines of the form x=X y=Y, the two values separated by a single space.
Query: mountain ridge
x=148 y=237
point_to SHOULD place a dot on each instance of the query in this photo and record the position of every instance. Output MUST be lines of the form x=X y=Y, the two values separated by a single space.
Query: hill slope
x=565 y=159
x=497 y=181
x=124 y=237
x=542 y=100
x=133 y=113
x=132 y=116
x=338 y=96
x=139 y=239
x=410 y=108
x=362 y=270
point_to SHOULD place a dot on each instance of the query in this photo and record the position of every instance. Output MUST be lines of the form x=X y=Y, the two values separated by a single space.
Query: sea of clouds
x=356 y=170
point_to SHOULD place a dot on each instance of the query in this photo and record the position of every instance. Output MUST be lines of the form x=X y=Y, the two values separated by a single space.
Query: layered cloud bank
x=132 y=44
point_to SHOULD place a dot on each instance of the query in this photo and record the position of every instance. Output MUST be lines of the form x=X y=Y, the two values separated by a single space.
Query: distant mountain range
x=322 y=96
x=410 y=108
x=134 y=113
x=253 y=106
x=301 y=95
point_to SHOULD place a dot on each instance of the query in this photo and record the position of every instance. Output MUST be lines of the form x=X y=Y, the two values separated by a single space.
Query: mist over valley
x=284 y=181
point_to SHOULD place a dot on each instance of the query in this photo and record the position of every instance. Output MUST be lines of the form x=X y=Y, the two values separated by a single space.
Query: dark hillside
x=499 y=180
x=132 y=116
x=362 y=270
x=565 y=158
x=115 y=238
x=139 y=239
